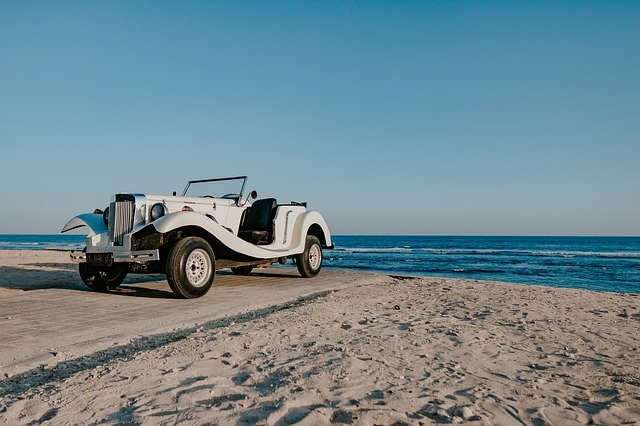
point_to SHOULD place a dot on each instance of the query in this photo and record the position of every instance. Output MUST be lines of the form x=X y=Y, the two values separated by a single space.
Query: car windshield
x=217 y=188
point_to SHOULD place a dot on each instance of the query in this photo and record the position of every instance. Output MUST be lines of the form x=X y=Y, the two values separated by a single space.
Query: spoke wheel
x=198 y=267
x=309 y=262
x=315 y=256
x=191 y=268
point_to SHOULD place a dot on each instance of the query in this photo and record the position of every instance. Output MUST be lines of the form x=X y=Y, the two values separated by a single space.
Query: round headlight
x=157 y=211
x=105 y=217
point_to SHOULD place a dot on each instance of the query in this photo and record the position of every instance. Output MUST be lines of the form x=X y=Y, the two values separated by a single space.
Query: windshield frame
x=243 y=178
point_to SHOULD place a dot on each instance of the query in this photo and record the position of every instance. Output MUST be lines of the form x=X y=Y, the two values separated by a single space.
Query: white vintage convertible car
x=189 y=237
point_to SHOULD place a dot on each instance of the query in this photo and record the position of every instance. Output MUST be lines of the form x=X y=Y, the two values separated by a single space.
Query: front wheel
x=191 y=268
x=309 y=262
x=101 y=278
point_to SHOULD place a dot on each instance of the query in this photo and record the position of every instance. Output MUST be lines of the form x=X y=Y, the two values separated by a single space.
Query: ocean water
x=42 y=242
x=594 y=263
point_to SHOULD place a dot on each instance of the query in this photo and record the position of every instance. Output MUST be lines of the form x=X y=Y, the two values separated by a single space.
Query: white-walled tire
x=101 y=278
x=191 y=268
x=309 y=262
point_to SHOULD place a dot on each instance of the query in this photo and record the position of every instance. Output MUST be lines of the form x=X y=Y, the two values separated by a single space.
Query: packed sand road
x=379 y=350
x=47 y=315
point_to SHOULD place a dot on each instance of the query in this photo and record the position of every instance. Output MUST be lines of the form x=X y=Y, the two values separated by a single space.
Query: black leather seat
x=257 y=227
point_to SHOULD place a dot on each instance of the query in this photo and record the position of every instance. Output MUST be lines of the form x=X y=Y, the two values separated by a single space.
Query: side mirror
x=253 y=194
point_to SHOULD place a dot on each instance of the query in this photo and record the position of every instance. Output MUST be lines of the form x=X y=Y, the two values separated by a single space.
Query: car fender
x=93 y=221
x=304 y=223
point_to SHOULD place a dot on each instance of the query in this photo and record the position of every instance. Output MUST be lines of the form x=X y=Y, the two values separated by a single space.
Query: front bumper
x=140 y=256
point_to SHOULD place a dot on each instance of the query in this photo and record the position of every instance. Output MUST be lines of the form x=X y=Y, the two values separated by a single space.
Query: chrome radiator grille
x=121 y=215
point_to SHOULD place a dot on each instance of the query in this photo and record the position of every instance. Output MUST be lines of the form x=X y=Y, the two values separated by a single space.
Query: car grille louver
x=121 y=215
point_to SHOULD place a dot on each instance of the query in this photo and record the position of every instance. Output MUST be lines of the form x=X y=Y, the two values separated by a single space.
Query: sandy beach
x=345 y=347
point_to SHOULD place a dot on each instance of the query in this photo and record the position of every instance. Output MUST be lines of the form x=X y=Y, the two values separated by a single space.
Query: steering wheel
x=208 y=196
x=230 y=196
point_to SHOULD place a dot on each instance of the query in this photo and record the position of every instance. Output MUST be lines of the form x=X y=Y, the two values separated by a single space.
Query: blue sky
x=459 y=118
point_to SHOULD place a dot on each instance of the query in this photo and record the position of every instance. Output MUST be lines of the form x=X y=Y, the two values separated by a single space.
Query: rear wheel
x=309 y=262
x=242 y=270
x=191 y=268
x=101 y=278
